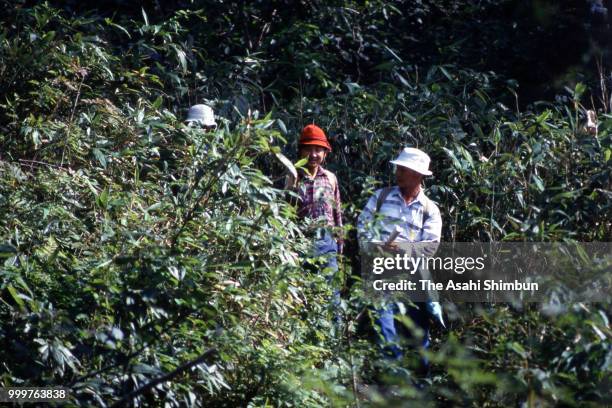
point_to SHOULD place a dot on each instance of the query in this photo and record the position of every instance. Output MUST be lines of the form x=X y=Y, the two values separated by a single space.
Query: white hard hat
x=202 y=114
x=414 y=159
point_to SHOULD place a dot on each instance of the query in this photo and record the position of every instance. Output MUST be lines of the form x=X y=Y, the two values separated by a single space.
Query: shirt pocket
x=414 y=219
x=324 y=194
x=390 y=211
x=390 y=216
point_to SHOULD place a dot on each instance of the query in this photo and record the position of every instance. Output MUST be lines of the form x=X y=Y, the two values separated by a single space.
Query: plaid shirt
x=396 y=214
x=320 y=197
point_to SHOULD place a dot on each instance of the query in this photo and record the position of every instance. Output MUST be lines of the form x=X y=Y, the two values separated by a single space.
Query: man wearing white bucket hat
x=202 y=115
x=406 y=215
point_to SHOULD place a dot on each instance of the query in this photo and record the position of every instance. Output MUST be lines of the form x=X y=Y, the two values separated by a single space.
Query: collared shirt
x=320 y=197
x=394 y=214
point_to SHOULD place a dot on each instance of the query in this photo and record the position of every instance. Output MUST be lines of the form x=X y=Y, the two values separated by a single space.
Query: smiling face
x=315 y=154
x=407 y=179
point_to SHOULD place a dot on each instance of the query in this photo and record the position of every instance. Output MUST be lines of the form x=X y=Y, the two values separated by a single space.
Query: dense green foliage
x=134 y=247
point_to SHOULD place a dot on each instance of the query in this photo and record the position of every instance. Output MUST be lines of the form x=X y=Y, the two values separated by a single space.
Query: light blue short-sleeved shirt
x=396 y=214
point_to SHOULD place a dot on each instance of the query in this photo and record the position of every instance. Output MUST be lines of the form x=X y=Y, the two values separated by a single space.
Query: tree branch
x=129 y=397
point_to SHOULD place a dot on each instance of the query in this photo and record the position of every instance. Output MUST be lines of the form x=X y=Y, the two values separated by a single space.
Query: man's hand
x=392 y=247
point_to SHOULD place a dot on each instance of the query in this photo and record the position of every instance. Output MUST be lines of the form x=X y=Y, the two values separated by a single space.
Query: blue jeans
x=327 y=247
x=391 y=337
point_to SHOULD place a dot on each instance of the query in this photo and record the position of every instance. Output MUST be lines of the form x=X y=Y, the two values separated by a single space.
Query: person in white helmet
x=408 y=215
x=202 y=115
x=199 y=115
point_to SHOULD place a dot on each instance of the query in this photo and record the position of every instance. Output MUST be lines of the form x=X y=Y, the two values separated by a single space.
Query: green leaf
x=467 y=156
x=300 y=163
x=158 y=102
x=282 y=126
x=144 y=17
x=404 y=81
x=352 y=87
x=518 y=349
x=287 y=163
x=543 y=116
x=579 y=90
x=445 y=72
x=121 y=28
x=538 y=182
x=182 y=59
x=453 y=157
x=100 y=157
x=7 y=250
x=16 y=297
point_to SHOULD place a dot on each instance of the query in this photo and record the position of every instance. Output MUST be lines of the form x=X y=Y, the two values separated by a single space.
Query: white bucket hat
x=414 y=159
x=202 y=114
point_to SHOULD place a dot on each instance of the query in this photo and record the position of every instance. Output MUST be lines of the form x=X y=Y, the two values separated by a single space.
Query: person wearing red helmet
x=319 y=196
